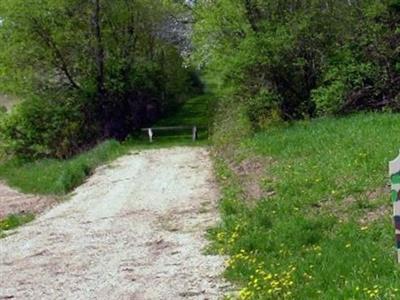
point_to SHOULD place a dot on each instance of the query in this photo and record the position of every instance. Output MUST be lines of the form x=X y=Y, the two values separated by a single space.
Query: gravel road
x=134 y=230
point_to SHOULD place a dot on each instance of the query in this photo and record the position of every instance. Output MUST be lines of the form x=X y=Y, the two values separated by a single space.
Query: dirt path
x=134 y=230
x=14 y=202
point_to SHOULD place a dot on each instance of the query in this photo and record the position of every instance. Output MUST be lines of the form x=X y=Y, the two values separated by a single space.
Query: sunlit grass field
x=325 y=230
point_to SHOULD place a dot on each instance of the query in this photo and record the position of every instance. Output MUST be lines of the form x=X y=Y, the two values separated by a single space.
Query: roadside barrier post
x=394 y=173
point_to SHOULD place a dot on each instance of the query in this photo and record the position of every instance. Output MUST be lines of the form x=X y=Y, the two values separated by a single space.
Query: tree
x=300 y=59
x=106 y=58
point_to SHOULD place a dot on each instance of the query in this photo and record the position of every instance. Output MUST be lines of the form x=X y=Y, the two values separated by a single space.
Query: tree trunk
x=251 y=14
x=99 y=49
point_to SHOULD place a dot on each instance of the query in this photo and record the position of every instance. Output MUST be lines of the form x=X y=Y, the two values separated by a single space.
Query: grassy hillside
x=323 y=229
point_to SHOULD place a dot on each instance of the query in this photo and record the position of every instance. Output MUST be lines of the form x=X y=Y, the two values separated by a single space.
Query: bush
x=263 y=109
x=123 y=83
x=231 y=127
x=298 y=61
x=2 y=115
x=42 y=128
x=342 y=75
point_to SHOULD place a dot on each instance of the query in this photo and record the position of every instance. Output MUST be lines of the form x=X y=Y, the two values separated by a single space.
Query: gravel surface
x=14 y=202
x=134 y=230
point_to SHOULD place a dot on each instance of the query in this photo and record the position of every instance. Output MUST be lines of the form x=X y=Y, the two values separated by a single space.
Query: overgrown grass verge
x=14 y=221
x=58 y=177
x=326 y=230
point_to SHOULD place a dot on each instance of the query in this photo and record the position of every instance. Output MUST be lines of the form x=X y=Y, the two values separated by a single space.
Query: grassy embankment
x=58 y=177
x=14 y=221
x=325 y=230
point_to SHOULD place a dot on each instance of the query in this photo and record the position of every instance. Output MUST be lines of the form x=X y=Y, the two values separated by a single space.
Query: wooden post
x=394 y=172
x=150 y=135
x=194 y=133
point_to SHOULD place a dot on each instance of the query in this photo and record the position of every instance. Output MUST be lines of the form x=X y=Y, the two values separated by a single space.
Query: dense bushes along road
x=95 y=70
x=87 y=71
x=299 y=59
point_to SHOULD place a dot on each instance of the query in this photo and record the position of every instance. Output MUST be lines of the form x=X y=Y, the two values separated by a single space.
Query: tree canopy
x=106 y=64
x=298 y=59
x=90 y=70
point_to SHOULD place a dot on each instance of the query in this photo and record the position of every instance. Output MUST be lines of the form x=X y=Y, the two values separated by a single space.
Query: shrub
x=2 y=115
x=231 y=127
x=342 y=75
x=263 y=108
x=42 y=128
x=300 y=60
x=121 y=83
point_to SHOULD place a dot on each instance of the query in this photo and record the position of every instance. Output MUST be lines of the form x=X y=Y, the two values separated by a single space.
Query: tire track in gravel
x=134 y=230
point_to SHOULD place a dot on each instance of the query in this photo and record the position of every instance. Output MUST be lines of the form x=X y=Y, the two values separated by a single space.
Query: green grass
x=322 y=235
x=14 y=221
x=194 y=112
x=58 y=177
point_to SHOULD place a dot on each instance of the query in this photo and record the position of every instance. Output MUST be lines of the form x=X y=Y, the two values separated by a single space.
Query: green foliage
x=14 y=221
x=330 y=98
x=307 y=58
x=60 y=176
x=38 y=127
x=344 y=73
x=112 y=57
x=323 y=231
x=263 y=108
x=231 y=127
x=195 y=111
x=57 y=177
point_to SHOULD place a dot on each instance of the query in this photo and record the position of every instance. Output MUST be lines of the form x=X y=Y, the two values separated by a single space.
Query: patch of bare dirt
x=7 y=101
x=380 y=211
x=14 y=202
x=251 y=172
x=369 y=202
x=134 y=230
x=376 y=214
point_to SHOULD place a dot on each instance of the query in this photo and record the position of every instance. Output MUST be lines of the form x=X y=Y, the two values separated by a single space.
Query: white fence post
x=194 y=133
x=394 y=173
x=150 y=135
